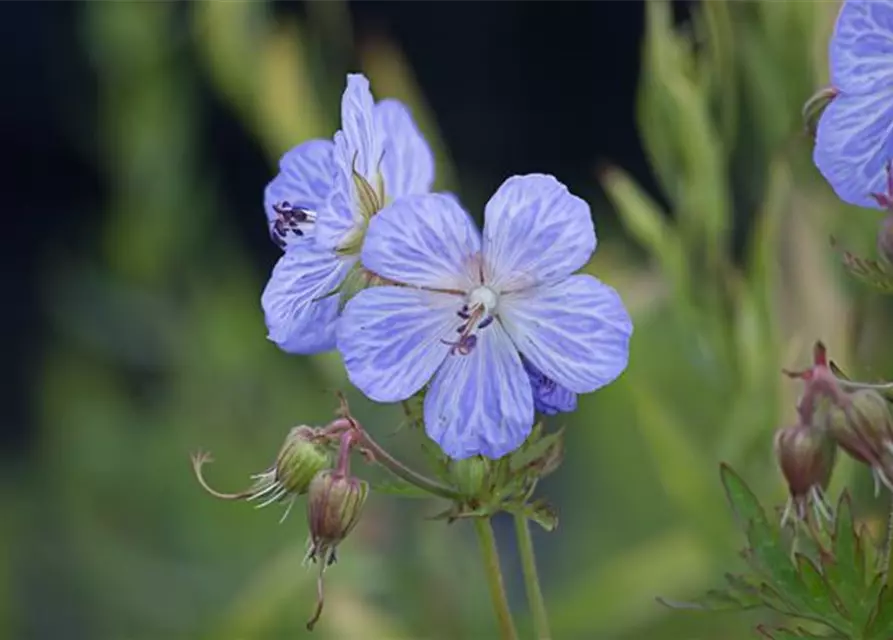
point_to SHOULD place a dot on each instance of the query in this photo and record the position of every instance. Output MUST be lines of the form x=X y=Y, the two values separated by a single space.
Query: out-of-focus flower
x=472 y=306
x=320 y=203
x=806 y=456
x=854 y=139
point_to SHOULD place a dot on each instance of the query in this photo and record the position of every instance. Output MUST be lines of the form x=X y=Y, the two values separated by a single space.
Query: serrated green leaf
x=766 y=554
x=540 y=512
x=714 y=600
x=823 y=600
x=787 y=634
x=846 y=570
x=400 y=488
x=880 y=625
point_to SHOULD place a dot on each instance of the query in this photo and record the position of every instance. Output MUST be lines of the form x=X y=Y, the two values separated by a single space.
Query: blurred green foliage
x=158 y=348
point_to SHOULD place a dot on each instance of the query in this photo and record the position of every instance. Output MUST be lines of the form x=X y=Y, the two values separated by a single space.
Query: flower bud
x=334 y=504
x=815 y=106
x=867 y=432
x=471 y=476
x=806 y=456
x=300 y=459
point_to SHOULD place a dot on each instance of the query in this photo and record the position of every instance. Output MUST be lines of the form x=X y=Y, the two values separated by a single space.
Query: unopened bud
x=815 y=106
x=334 y=504
x=869 y=435
x=300 y=459
x=471 y=476
x=806 y=456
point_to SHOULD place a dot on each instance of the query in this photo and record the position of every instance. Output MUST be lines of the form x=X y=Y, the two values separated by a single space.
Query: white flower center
x=483 y=297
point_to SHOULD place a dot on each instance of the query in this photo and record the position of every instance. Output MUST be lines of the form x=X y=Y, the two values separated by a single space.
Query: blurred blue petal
x=576 y=332
x=535 y=232
x=299 y=316
x=408 y=163
x=549 y=397
x=853 y=145
x=426 y=241
x=480 y=403
x=305 y=179
x=392 y=339
x=861 y=50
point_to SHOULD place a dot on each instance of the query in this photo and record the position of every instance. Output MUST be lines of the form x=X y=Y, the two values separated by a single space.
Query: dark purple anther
x=486 y=322
x=289 y=218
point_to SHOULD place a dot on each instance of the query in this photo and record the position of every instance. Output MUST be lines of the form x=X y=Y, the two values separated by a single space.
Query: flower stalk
x=531 y=578
x=493 y=571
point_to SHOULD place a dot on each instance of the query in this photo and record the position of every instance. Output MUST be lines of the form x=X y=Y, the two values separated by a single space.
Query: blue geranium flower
x=854 y=140
x=471 y=307
x=320 y=203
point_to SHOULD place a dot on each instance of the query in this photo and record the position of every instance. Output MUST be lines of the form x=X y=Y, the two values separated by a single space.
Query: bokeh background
x=138 y=137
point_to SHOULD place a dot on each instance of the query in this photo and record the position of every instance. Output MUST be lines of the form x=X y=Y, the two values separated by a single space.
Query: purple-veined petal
x=576 y=332
x=305 y=179
x=300 y=316
x=424 y=240
x=339 y=218
x=408 y=163
x=392 y=339
x=549 y=397
x=535 y=231
x=853 y=145
x=480 y=403
x=861 y=49
x=362 y=140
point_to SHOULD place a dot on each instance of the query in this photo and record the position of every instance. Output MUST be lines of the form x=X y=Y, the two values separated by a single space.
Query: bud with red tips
x=806 y=456
x=864 y=429
x=334 y=504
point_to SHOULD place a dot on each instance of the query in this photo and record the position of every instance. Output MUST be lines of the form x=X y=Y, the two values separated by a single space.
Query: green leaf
x=714 y=600
x=787 y=634
x=845 y=570
x=766 y=554
x=823 y=600
x=880 y=625
x=540 y=512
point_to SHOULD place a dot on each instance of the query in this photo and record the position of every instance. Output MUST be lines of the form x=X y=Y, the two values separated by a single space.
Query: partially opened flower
x=854 y=139
x=318 y=207
x=472 y=307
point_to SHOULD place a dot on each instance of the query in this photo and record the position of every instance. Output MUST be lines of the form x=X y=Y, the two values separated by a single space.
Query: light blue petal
x=408 y=163
x=480 y=403
x=576 y=332
x=535 y=232
x=853 y=145
x=861 y=50
x=362 y=139
x=426 y=241
x=305 y=179
x=393 y=339
x=299 y=318
x=339 y=218
x=549 y=397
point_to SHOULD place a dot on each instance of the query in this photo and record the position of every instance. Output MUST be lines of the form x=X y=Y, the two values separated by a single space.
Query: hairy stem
x=531 y=578
x=487 y=543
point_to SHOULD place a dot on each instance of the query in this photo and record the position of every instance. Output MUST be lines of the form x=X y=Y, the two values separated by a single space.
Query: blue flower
x=320 y=203
x=471 y=307
x=854 y=140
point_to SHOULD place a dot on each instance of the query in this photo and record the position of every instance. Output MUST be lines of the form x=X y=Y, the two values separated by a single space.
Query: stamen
x=290 y=219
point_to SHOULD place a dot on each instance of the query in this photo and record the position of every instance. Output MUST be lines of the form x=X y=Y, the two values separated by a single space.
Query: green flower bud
x=334 y=505
x=471 y=476
x=298 y=462
x=815 y=106
x=300 y=459
x=806 y=456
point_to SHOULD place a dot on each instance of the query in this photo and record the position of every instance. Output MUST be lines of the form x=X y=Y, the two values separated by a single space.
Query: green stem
x=400 y=470
x=531 y=579
x=487 y=542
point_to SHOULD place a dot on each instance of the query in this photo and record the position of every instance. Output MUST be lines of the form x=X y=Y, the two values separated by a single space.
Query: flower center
x=290 y=219
x=477 y=314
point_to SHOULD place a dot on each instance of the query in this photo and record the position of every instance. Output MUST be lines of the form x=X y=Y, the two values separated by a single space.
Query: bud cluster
x=833 y=412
